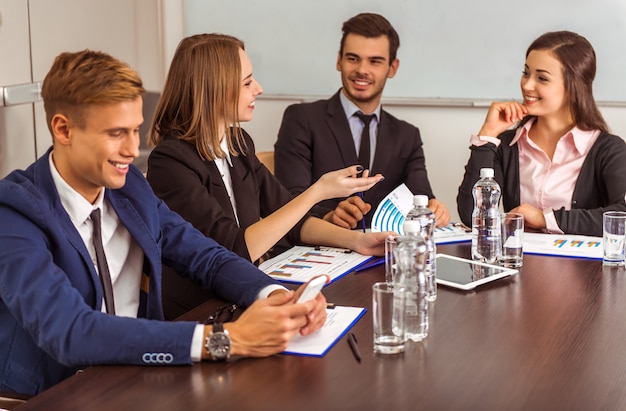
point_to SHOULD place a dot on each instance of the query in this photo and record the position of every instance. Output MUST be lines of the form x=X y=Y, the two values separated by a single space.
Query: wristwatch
x=218 y=343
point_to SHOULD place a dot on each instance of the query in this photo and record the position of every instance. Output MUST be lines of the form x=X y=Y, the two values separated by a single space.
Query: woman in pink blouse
x=559 y=166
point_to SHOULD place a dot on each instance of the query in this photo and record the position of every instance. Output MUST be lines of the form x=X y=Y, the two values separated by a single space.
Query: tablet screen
x=466 y=274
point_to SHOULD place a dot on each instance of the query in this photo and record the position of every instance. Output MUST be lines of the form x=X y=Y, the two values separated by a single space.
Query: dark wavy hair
x=578 y=59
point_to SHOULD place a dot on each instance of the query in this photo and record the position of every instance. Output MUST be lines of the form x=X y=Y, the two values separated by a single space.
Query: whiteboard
x=449 y=49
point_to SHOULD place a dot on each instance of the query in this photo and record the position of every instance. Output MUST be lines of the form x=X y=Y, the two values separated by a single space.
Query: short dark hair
x=371 y=25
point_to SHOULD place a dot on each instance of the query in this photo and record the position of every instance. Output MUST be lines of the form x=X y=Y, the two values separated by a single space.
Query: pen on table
x=354 y=347
x=370 y=264
x=363 y=219
x=330 y=306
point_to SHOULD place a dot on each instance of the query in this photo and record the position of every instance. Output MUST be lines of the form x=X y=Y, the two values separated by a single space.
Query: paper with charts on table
x=392 y=210
x=567 y=245
x=338 y=321
x=301 y=263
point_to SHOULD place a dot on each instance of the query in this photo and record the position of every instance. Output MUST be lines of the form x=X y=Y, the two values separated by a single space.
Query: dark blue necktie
x=364 y=149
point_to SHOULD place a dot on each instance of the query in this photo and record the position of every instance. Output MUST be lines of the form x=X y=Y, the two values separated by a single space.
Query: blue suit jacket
x=50 y=295
x=315 y=138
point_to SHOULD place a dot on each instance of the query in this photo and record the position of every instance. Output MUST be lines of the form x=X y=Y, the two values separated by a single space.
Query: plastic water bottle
x=486 y=230
x=410 y=257
x=426 y=219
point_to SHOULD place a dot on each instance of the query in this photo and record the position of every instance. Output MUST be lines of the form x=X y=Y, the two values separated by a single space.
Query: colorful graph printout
x=299 y=264
x=392 y=211
x=563 y=245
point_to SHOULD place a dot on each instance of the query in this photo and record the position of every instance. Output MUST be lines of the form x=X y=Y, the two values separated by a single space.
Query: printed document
x=338 y=321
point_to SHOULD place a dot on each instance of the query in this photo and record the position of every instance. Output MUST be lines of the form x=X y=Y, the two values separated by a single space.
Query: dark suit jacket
x=601 y=184
x=51 y=322
x=194 y=188
x=315 y=138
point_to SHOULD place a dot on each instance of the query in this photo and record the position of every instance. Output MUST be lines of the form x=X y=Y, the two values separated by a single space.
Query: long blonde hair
x=201 y=95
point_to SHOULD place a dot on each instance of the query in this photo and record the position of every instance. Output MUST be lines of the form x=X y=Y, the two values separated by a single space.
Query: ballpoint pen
x=363 y=219
x=354 y=347
x=372 y=263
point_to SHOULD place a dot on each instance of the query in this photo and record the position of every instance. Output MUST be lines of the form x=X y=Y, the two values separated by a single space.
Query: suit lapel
x=384 y=145
x=340 y=128
x=46 y=186
x=244 y=184
x=218 y=188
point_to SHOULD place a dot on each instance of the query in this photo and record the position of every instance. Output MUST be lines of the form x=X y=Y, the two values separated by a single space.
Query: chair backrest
x=267 y=158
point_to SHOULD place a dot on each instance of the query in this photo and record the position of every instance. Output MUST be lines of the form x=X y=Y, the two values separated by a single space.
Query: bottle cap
x=411 y=226
x=486 y=173
x=420 y=200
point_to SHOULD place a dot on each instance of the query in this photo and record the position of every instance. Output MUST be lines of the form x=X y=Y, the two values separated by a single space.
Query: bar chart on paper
x=563 y=244
x=301 y=263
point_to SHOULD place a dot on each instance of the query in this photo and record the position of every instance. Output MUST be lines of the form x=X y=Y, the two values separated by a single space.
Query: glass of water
x=614 y=230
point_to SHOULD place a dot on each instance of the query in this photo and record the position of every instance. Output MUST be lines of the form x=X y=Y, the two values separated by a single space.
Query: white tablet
x=467 y=274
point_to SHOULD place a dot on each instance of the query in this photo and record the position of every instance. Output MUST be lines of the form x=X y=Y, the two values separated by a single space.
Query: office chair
x=267 y=158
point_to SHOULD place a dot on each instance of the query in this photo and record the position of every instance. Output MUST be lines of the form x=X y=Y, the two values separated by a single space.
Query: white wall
x=445 y=131
x=148 y=42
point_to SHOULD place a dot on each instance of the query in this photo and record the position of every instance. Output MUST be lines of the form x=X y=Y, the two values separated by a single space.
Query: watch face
x=219 y=345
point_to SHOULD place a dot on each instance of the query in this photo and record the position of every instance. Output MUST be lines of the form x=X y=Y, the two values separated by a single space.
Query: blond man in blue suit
x=56 y=315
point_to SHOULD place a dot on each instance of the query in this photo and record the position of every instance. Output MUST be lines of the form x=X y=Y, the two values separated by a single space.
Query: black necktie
x=364 y=149
x=103 y=267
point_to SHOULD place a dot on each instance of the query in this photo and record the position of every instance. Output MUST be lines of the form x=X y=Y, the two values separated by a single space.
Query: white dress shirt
x=356 y=125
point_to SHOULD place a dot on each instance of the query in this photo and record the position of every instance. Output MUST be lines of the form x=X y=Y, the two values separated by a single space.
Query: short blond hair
x=78 y=80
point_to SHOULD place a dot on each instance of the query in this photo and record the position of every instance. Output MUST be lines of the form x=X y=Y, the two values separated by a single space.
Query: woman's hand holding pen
x=501 y=116
x=342 y=183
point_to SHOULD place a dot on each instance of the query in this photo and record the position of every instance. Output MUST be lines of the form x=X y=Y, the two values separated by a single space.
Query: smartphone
x=312 y=288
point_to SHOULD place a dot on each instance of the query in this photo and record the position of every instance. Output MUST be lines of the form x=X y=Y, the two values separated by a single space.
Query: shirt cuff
x=265 y=292
x=551 y=226
x=197 y=343
x=482 y=140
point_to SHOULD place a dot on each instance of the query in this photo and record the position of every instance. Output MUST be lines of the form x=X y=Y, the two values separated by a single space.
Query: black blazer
x=315 y=138
x=194 y=188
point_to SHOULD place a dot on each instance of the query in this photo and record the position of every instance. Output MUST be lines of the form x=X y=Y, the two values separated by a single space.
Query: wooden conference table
x=552 y=337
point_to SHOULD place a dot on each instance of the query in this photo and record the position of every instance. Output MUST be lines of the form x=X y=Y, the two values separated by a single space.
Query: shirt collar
x=350 y=108
x=76 y=206
x=224 y=147
x=581 y=138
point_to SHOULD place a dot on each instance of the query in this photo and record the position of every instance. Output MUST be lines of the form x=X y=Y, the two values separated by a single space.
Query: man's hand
x=349 y=212
x=266 y=327
x=440 y=210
